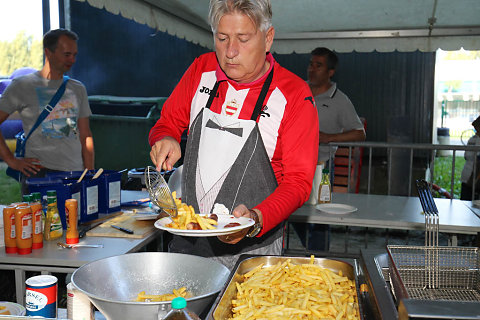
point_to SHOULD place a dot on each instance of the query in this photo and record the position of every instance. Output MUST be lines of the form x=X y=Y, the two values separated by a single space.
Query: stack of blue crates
x=94 y=196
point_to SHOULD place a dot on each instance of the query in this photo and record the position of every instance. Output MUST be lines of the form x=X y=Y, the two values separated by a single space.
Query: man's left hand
x=240 y=211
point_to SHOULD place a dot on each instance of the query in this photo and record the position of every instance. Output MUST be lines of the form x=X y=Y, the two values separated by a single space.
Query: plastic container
x=78 y=304
x=110 y=116
x=325 y=189
x=27 y=198
x=9 y=229
x=53 y=225
x=86 y=193
x=179 y=311
x=71 y=213
x=41 y=296
x=23 y=229
x=109 y=194
x=37 y=223
x=66 y=186
x=64 y=192
x=37 y=197
x=443 y=137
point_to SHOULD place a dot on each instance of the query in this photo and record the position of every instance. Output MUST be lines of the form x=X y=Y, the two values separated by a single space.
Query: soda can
x=41 y=296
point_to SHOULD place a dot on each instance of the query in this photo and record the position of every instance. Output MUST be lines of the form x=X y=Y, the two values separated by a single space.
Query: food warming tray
x=221 y=309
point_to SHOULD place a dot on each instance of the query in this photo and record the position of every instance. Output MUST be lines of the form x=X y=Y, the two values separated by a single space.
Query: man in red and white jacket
x=253 y=133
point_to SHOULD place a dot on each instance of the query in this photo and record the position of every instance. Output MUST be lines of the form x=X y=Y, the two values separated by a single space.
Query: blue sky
x=17 y=15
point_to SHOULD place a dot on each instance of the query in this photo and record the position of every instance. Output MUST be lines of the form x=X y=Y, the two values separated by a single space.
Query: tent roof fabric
x=341 y=25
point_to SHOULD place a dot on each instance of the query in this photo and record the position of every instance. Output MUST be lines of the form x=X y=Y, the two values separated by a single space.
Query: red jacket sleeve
x=294 y=161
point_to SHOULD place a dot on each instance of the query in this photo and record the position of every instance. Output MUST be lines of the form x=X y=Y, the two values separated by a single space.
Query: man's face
x=318 y=73
x=241 y=48
x=64 y=56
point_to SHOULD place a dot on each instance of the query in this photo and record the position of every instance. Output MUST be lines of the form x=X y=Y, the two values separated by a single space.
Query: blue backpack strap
x=48 y=108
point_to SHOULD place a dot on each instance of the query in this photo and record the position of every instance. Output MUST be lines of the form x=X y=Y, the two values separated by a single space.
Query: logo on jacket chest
x=207 y=91
x=231 y=107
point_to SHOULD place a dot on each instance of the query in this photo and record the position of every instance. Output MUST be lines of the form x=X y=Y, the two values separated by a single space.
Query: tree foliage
x=23 y=51
x=462 y=55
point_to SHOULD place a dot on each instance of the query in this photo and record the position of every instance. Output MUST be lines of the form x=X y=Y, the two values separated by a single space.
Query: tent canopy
x=342 y=25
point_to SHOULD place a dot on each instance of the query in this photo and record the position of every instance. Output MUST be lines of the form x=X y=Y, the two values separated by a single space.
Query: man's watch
x=257 y=227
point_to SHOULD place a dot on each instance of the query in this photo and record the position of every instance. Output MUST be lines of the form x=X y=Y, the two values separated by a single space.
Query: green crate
x=120 y=128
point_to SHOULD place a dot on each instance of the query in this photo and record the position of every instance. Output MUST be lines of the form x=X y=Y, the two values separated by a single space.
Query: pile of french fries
x=186 y=215
x=182 y=292
x=288 y=291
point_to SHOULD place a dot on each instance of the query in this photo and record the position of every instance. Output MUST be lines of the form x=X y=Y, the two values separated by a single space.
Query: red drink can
x=41 y=296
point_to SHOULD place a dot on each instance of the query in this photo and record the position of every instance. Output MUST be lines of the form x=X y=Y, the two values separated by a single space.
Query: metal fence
x=403 y=155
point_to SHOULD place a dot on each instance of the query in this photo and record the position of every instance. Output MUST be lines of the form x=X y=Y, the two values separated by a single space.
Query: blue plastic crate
x=109 y=194
x=86 y=192
x=64 y=192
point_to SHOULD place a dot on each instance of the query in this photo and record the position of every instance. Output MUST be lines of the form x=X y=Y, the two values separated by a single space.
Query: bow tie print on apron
x=213 y=125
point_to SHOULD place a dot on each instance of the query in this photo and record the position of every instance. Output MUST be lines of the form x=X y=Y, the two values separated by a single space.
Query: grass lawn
x=10 y=190
x=443 y=168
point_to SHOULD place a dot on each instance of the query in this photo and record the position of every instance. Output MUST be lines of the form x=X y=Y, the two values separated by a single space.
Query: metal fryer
x=456 y=274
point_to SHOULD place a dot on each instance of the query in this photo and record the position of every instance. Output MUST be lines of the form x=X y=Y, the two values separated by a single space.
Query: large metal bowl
x=113 y=283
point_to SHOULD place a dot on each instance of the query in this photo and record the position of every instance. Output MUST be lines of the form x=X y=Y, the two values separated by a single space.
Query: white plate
x=219 y=231
x=336 y=208
x=14 y=308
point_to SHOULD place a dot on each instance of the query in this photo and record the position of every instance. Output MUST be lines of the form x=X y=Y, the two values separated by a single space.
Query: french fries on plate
x=187 y=219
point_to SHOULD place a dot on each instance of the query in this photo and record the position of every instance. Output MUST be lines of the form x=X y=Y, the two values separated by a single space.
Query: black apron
x=226 y=162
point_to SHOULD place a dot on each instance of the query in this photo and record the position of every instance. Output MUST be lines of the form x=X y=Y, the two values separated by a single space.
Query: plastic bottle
x=179 y=311
x=23 y=229
x=37 y=196
x=9 y=229
x=53 y=224
x=325 y=189
x=27 y=198
x=71 y=214
x=37 y=220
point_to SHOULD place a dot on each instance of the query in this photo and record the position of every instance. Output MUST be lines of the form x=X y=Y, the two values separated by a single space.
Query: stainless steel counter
x=393 y=212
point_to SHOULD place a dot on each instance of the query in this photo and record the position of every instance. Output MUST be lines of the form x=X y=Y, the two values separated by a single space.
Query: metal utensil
x=431 y=232
x=159 y=192
x=70 y=246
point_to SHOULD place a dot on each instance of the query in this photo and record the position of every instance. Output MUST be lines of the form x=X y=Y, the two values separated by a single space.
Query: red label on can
x=40 y=299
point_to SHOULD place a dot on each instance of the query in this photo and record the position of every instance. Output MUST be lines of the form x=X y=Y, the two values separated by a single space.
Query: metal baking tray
x=221 y=309
x=425 y=279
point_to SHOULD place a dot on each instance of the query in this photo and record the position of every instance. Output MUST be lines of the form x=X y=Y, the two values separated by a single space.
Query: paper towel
x=317 y=178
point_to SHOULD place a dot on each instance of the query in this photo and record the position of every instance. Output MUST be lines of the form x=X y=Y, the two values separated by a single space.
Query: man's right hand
x=27 y=166
x=165 y=153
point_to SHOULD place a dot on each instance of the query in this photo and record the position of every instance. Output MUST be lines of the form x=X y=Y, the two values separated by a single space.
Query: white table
x=52 y=258
x=393 y=212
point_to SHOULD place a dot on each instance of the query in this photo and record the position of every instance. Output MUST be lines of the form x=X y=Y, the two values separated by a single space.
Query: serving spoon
x=70 y=246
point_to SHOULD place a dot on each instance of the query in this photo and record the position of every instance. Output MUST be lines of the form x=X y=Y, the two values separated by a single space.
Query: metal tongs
x=431 y=233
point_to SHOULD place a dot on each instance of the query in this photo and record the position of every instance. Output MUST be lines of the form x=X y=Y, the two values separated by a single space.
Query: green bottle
x=325 y=189
x=53 y=225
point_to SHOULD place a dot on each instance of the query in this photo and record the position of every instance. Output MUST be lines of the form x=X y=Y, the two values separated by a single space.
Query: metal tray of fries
x=222 y=308
x=426 y=278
